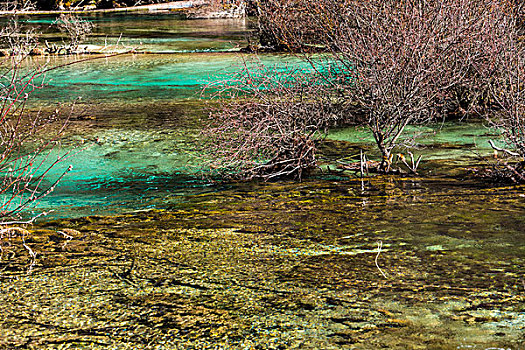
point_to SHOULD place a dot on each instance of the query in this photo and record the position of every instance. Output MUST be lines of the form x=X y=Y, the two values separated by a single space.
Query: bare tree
x=402 y=62
x=16 y=40
x=508 y=96
x=15 y=5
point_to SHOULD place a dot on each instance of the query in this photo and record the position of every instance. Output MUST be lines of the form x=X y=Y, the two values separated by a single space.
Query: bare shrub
x=30 y=148
x=287 y=25
x=402 y=62
x=267 y=122
x=27 y=141
x=508 y=96
x=75 y=28
x=220 y=9
x=17 y=40
x=15 y=5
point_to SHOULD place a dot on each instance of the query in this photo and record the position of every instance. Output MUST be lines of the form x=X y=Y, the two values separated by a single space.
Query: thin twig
x=379 y=247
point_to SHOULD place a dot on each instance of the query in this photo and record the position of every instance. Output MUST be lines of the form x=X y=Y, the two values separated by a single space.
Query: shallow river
x=141 y=252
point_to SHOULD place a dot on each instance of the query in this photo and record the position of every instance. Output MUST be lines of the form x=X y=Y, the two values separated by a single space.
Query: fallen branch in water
x=13 y=232
x=499 y=149
x=379 y=247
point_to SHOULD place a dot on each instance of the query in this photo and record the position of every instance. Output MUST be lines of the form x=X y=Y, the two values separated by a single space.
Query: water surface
x=155 y=33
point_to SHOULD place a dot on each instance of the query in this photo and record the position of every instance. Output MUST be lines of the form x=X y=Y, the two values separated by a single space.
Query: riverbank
x=187 y=9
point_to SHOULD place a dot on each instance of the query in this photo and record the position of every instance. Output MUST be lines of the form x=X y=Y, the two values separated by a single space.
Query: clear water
x=135 y=77
x=142 y=78
x=125 y=169
x=158 y=33
x=133 y=130
x=138 y=118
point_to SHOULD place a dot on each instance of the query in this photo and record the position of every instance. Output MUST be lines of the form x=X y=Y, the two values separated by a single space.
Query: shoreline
x=189 y=8
x=92 y=50
x=168 y=7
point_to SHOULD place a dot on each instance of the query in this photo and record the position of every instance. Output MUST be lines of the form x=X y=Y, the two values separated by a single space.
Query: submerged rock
x=278 y=266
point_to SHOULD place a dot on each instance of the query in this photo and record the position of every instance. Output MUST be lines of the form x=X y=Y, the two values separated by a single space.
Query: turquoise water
x=133 y=129
x=447 y=141
x=118 y=170
x=131 y=167
x=138 y=118
x=158 y=33
x=141 y=77
x=133 y=77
